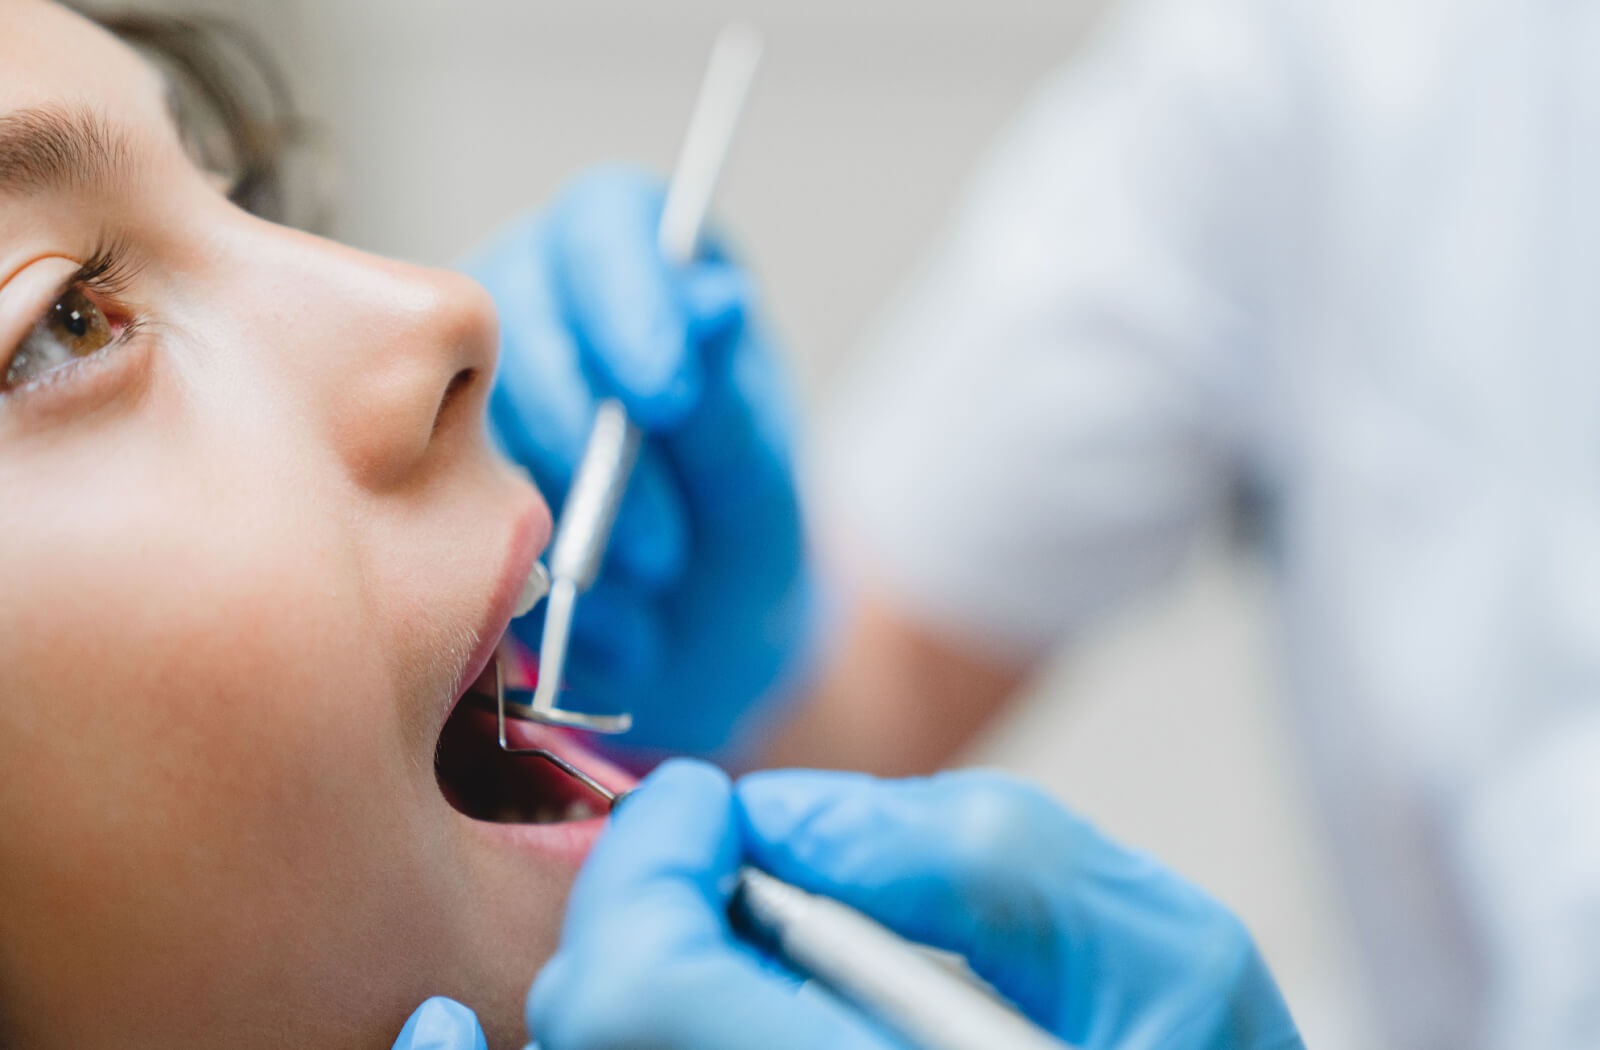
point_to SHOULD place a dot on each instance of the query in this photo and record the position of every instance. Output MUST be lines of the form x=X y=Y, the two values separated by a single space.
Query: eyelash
x=109 y=271
x=107 y=274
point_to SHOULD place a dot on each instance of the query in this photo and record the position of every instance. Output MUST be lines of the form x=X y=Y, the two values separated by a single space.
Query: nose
x=421 y=388
x=400 y=359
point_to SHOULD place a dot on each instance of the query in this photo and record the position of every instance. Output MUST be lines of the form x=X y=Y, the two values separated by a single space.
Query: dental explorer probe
x=613 y=446
x=885 y=976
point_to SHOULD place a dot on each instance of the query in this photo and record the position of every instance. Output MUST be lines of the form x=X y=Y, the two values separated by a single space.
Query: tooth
x=546 y=813
x=535 y=588
x=578 y=809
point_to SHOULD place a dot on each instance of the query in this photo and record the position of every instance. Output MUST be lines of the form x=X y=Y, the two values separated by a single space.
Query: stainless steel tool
x=613 y=446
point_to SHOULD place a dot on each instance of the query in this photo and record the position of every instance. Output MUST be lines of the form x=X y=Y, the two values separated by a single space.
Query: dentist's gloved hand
x=441 y=1024
x=1096 y=943
x=702 y=605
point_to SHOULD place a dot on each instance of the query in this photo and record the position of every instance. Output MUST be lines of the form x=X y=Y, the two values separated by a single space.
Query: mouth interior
x=485 y=783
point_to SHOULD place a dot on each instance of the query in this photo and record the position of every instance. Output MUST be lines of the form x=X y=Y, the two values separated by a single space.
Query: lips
x=520 y=796
x=511 y=592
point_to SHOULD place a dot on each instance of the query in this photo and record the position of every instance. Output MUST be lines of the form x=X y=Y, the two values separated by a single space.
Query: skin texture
x=246 y=553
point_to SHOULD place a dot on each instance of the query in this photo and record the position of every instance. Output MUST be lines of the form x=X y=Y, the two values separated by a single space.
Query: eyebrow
x=48 y=149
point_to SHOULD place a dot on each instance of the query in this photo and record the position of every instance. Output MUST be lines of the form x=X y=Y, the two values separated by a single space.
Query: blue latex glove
x=1098 y=944
x=702 y=605
x=441 y=1024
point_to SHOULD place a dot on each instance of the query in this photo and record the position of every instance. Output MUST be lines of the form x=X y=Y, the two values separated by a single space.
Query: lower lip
x=567 y=843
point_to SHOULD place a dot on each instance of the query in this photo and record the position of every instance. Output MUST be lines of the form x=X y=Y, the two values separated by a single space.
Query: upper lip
x=528 y=537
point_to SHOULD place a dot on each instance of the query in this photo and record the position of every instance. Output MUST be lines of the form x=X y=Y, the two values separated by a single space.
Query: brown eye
x=79 y=323
x=73 y=327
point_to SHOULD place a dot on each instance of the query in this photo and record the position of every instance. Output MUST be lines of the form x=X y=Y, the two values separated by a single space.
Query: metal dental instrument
x=613 y=446
x=575 y=557
x=890 y=979
x=517 y=708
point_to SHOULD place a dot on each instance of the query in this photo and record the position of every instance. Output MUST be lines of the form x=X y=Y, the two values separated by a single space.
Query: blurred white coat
x=1346 y=253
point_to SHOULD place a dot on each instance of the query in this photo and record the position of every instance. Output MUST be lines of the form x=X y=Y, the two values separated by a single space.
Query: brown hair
x=233 y=106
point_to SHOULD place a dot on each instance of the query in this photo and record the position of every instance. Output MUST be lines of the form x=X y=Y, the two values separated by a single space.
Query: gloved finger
x=716 y=296
x=711 y=1000
x=1057 y=917
x=674 y=842
x=620 y=295
x=732 y=450
x=544 y=437
x=650 y=541
x=441 y=1024
x=944 y=864
x=617 y=639
x=647 y=956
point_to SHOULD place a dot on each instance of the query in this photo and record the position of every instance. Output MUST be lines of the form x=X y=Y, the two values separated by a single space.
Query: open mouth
x=486 y=783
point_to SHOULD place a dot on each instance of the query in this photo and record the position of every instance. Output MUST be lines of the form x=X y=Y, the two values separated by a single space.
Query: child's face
x=249 y=550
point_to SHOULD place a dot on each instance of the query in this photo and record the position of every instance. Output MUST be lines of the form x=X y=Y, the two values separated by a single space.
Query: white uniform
x=1348 y=250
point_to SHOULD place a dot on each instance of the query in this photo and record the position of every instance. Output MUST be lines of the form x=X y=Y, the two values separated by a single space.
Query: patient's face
x=252 y=543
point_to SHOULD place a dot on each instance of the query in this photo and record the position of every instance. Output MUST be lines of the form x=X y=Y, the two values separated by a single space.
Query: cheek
x=207 y=774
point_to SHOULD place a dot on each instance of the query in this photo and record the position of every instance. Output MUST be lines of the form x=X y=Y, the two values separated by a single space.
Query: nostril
x=457 y=386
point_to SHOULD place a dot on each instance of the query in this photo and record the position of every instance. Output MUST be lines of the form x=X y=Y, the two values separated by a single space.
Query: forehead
x=50 y=57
